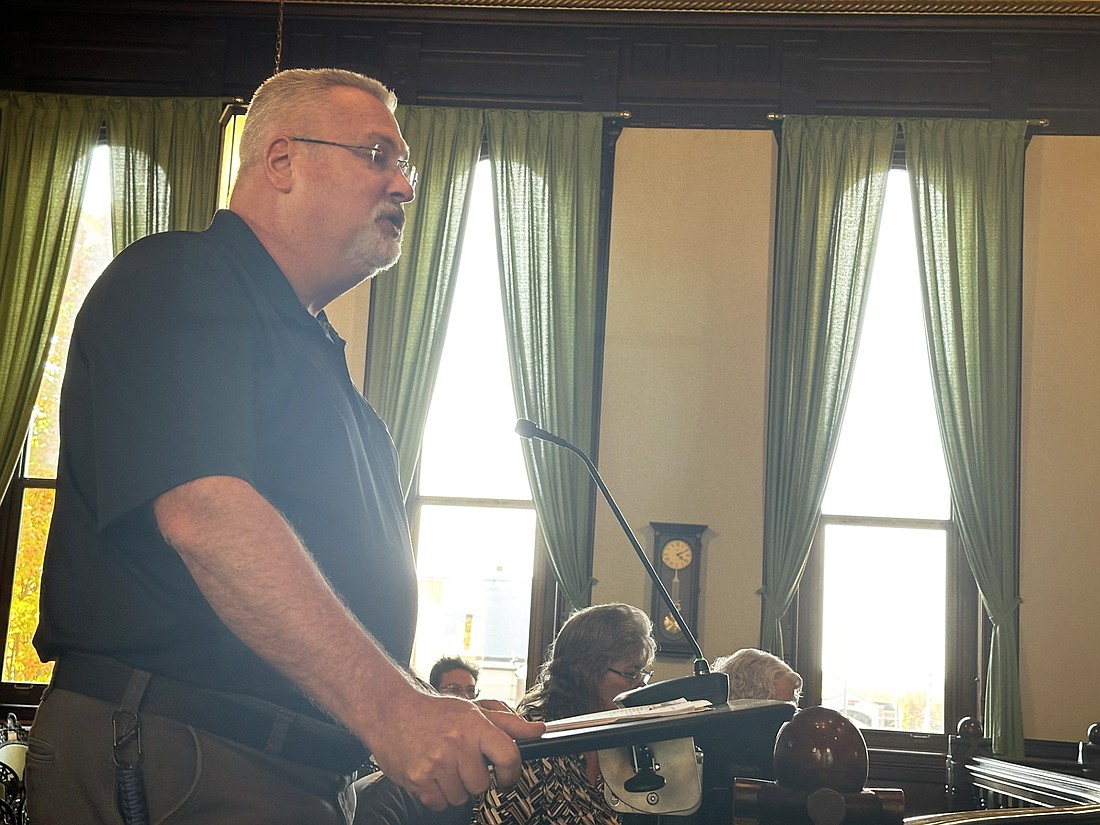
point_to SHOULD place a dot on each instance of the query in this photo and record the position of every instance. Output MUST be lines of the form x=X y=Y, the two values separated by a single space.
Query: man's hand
x=440 y=748
x=494 y=704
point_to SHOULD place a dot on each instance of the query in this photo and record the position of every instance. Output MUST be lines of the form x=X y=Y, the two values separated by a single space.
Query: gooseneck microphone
x=704 y=684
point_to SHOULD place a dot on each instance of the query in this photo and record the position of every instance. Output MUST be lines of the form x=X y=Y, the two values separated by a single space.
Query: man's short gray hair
x=297 y=90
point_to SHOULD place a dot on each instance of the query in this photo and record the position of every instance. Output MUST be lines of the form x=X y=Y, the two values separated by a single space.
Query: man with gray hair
x=757 y=674
x=229 y=591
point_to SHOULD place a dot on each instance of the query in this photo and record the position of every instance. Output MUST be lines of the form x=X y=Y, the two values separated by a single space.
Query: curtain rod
x=1042 y=121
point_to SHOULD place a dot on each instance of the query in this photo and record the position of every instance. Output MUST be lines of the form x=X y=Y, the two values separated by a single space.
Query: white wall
x=1060 y=456
x=682 y=428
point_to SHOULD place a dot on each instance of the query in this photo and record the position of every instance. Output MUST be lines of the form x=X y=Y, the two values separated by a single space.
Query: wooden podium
x=737 y=739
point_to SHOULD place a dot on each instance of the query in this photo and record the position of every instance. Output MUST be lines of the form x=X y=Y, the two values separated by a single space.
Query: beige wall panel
x=348 y=315
x=682 y=428
x=1060 y=458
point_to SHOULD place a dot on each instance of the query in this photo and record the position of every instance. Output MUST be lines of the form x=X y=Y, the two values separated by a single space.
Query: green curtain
x=45 y=151
x=546 y=181
x=410 y=305
x=832 y=182
x=967 y=184
x=164 y=164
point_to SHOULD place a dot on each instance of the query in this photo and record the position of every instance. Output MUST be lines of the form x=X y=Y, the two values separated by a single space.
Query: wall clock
x=677 y=551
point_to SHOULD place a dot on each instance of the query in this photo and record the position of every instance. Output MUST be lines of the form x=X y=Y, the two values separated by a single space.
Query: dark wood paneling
x=720 y=70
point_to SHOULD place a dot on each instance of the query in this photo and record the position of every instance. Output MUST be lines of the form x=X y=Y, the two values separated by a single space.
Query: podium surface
x=738 y=720
x=737 y=739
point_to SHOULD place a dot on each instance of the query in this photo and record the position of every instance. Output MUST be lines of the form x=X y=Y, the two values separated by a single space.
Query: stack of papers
x=675 y=707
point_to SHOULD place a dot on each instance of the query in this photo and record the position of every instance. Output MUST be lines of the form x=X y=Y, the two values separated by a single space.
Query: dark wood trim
x=970 y=7
x=674 y=67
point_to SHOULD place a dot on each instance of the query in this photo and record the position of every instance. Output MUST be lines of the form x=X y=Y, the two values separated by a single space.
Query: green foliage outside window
x=21 y=663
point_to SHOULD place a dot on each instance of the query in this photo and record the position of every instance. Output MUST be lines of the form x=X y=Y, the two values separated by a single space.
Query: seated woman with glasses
x=599 y=652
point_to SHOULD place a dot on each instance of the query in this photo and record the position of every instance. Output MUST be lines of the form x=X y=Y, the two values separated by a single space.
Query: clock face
x=676 y=554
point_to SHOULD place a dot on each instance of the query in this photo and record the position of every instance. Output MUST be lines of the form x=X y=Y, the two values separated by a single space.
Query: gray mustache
x=395 y=216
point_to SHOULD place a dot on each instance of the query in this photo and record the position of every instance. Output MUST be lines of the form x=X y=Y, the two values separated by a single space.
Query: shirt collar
x=230 y=230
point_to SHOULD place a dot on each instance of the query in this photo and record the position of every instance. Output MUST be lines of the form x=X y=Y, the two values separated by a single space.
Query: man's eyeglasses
x=376 y=155
x=634 y=676
x=462 y=691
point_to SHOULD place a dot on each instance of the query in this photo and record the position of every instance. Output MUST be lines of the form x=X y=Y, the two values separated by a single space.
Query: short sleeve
x=168 y=352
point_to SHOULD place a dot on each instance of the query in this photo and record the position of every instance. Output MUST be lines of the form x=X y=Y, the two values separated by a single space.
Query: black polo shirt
x=193 y=357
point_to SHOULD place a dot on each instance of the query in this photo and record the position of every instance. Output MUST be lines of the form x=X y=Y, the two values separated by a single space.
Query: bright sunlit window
x=886 y=513
x=36 y=477
x=476 y=535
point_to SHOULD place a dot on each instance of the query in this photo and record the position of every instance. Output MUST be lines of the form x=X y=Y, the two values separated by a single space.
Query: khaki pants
x=191 y=777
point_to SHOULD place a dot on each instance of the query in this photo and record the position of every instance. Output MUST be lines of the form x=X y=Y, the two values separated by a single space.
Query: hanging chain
x=279 y=39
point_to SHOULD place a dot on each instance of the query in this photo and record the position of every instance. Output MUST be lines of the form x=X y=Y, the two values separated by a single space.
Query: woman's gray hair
x=296 y=91
x=753 y=673
x=589 y=642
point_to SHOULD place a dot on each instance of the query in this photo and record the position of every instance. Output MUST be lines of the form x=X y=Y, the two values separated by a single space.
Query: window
x=474 y=521
x=28 y=504
x=887 y=610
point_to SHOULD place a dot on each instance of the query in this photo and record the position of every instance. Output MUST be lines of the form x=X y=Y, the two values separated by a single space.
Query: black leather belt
x=253 y=722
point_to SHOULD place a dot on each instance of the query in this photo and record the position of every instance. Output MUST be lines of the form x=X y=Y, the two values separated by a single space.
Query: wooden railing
x=956 y=776
x=1052 y=784
x=1071 y=815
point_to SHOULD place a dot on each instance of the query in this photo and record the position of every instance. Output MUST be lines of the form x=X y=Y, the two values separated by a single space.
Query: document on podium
x=675 y=707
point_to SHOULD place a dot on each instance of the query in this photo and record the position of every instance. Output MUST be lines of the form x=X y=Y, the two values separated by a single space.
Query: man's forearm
x=266 y=588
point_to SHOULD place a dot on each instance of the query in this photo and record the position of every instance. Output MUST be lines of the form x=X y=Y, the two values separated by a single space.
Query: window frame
x=965 y=627
x=545 y=598
x=21 y=698
x=547 y=606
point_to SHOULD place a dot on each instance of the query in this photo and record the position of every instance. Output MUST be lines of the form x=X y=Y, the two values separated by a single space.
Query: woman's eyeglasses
x=634 y=676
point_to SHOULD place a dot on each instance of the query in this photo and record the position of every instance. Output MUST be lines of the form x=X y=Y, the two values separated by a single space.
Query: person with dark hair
x=229 y=590
x=600 y=652
x=455 y=676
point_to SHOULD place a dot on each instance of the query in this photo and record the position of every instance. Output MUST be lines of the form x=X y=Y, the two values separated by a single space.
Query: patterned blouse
x=551 y=791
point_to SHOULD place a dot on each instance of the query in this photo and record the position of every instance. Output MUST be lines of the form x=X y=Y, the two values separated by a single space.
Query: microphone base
x=714 y=687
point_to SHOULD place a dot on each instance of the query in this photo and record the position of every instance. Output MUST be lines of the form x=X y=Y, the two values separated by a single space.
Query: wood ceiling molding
x=1085 y=8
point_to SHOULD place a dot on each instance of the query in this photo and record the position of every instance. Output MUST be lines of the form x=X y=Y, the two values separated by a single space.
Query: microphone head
x=527 y=428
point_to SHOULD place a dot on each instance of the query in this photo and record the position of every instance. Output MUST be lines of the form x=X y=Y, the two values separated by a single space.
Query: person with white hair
x=757 y=674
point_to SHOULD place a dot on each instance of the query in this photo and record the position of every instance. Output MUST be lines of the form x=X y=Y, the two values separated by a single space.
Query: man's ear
x=278 y=164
